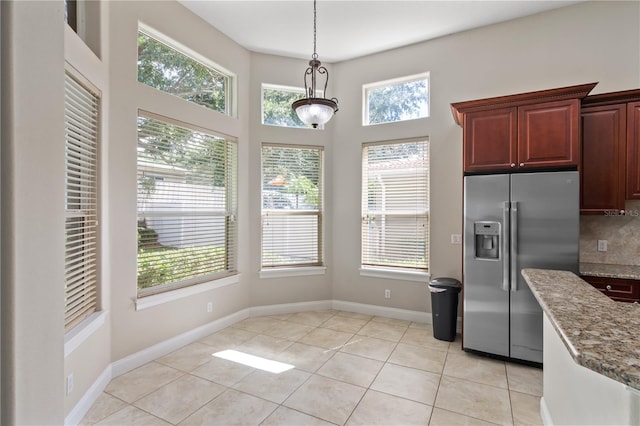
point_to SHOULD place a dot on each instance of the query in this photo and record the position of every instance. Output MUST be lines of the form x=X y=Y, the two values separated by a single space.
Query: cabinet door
x=602 y=164
x=633 y=151
x=490 y=140
x=549 y=134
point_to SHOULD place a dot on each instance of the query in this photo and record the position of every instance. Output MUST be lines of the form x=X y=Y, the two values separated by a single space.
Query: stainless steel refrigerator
x=511 y=222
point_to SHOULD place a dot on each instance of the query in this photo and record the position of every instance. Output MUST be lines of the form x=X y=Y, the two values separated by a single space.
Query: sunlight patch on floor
x=254 y=361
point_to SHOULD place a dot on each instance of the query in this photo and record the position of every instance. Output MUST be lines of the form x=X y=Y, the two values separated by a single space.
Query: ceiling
x=349 y=29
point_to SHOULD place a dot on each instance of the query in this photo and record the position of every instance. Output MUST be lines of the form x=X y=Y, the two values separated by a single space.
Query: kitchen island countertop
x=600 y=334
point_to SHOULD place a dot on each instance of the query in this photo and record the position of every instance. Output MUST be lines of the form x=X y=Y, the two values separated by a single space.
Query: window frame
x=366 y=88
x=230 y=89
x=231 y=211
x=289 y=269
x=387 y=270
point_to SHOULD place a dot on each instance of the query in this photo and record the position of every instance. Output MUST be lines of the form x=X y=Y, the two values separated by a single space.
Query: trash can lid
x=445 y=282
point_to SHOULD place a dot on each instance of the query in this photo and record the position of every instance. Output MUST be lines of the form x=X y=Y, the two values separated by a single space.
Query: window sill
x=395 y=274
x=170 y=296
x=81 y=332
x=292 y=272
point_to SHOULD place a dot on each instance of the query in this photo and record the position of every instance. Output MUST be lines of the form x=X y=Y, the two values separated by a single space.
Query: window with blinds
x=291 y=206
x=395 y=205
x=81 y=123
x=187 y=184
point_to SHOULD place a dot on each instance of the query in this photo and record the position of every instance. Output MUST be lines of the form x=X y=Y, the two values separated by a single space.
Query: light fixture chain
x=315 y=55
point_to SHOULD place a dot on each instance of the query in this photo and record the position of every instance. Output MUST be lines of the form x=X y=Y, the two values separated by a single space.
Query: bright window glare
x=254 y=361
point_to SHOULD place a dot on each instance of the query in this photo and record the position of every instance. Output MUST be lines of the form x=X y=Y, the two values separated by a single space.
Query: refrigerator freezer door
x=545 y=224
x=486 y=298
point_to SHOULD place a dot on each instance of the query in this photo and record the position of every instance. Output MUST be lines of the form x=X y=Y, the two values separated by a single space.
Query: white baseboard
x=89 y=398
x=161 y=349
x=287 y=308
x=544 y=413
x=158 y=350
x=383 y=311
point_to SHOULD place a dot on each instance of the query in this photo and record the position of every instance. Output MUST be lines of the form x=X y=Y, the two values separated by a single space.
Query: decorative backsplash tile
x=621 y=232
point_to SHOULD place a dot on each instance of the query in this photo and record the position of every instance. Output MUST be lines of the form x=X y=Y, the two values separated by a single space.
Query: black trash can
x=444 y=307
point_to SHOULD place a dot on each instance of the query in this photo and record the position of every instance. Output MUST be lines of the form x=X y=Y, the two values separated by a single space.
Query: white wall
x=32 y=212
x=592 y=41
x=588 y=42
x=268 y=291
x=89 y=358
x=134 y=330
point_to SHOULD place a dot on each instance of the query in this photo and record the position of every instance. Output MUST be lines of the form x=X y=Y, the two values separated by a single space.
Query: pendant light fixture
x=311 y=110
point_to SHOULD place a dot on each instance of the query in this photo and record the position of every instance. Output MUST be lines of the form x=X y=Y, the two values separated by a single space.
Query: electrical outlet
x=456 y=239
x=602 y=245
x=210 y=307
x=387 y=294
x=69 y=383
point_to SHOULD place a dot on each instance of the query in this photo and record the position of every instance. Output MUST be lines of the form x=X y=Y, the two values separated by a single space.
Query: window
x=396 y=100
x=395 y=205
x=291 y=206
x=276 y=106
x=169 y=70
x=81 y=200
x=71 y=14
x=186 y=205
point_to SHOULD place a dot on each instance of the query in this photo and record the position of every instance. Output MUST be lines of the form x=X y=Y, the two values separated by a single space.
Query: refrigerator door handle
x=513 y=255
x=506 y=207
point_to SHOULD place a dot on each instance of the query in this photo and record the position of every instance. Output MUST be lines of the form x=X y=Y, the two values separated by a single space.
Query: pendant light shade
x=312 y=110
x=315 y=111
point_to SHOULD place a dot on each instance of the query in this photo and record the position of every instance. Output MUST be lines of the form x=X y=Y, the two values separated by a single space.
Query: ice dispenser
x=487 y=238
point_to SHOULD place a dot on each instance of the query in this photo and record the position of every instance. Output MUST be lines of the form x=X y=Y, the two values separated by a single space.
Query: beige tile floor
x=350 y=369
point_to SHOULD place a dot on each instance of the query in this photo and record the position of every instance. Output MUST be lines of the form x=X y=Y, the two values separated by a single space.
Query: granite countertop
x=609 y=270
x=600 y=334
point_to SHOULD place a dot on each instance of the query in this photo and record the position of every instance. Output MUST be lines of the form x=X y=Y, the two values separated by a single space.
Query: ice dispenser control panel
x=487 y=239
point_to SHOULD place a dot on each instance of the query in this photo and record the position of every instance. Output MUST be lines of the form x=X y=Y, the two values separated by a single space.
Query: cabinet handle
x=513 y=164
x=521 y=164
x=608 y=287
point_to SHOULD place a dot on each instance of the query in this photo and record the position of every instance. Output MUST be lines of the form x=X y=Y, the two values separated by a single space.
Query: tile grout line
x=433 y=407
x=315 y=373
x=368 y=388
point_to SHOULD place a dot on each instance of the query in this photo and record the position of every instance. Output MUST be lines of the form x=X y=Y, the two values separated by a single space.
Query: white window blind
x=291 y=206
x=395 y=205
x=81 y=201
x=187 y=184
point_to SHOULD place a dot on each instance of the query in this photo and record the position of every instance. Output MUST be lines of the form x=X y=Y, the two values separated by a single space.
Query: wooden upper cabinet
x=610 y=165
x=549 y=134
x=525 y=131
x=602 y=167
x=494 y=139
x=633 y=150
